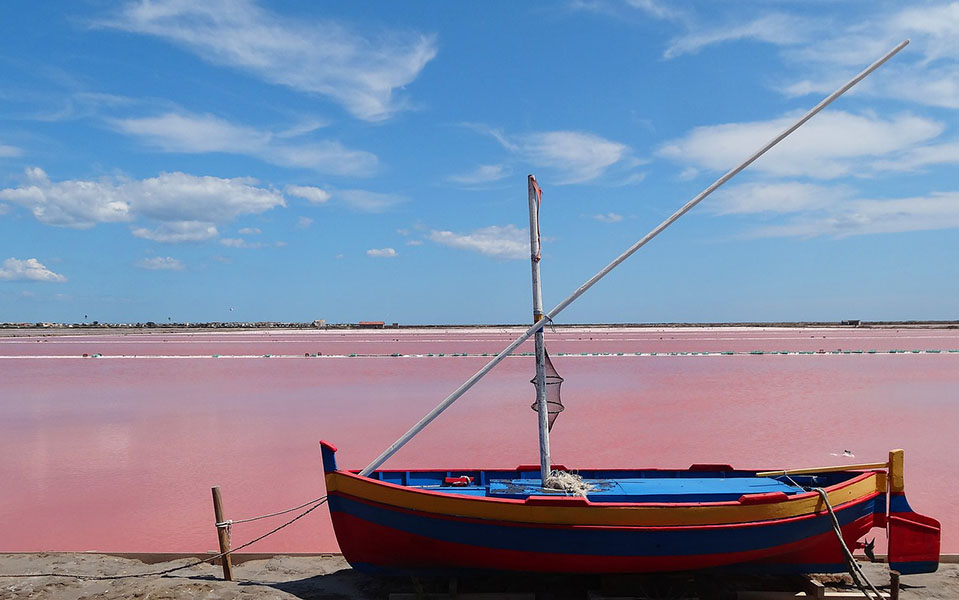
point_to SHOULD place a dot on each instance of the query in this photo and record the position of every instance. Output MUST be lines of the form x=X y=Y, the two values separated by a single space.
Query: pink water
x=118 y=453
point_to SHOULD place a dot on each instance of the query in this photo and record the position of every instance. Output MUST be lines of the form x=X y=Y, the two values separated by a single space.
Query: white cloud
x=74 y=203
x=302 y=128
x=370 y=202
x=615 y=8
x=312 y=194
x=250 y=231
x=609 y=217
x=633 y=178
x=4 y=209
x=177 y=232
x=793 y=209
x=242 y=243
x=78 y=105
x=174 y=132
x=177 y=206
x=832 y=145
x=361 y=69
x=161 y=263
x=575 y=156
x=497 y=241
x=414 y=242
x=178 y=196
x=924 y=156
x=774 y=28
x=9 y=151
x=381 y=253
x=196 y=134
x=785 y=197
x=930 y=85
x=653 y=8
x=938 y=210
x=933 y=30
x=303 y=222
x=481 y=174
x=926 y=72
x=28 y=270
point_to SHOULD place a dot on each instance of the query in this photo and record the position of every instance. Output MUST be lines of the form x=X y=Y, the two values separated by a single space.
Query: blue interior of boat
x=654 y=490
x=614 y=485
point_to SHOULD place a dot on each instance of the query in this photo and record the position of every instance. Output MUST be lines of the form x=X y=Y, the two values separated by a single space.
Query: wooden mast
x=542 y=410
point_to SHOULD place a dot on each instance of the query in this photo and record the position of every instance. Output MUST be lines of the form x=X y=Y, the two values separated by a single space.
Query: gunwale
x=548 y=510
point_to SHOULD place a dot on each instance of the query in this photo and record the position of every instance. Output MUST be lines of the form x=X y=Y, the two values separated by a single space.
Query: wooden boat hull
x=387 y=528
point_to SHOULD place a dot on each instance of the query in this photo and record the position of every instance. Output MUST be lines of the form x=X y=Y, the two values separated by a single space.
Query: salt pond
x=118 y=452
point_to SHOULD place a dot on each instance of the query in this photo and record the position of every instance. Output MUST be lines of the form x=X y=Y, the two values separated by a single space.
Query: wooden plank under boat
x=634 y=521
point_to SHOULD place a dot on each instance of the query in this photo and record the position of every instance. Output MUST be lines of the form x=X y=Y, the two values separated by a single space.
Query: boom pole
x=395 y=446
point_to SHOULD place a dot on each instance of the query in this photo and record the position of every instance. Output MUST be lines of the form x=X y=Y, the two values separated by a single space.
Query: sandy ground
x=330 y=577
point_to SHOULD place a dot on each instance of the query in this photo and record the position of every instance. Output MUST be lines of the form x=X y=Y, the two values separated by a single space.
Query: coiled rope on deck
x=315 y=504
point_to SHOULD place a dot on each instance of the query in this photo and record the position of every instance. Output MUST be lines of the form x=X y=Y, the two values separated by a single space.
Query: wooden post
x=893 y=585
x=222 y=534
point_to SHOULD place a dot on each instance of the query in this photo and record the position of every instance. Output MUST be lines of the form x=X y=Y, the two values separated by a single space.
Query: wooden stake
x=222 y=534
x=893 y=585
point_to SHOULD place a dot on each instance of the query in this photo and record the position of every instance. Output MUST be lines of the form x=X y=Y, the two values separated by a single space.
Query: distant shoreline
x=54 y=329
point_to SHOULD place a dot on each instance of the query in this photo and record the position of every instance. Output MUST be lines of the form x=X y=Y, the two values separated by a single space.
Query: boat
x=544 y=519
x=445 y=521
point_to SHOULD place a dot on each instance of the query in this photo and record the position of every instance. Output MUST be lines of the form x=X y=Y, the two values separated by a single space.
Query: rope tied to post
x=228 y=522
x=316 y=504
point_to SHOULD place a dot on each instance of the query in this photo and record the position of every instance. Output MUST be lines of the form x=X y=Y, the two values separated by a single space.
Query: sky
x=236 y=160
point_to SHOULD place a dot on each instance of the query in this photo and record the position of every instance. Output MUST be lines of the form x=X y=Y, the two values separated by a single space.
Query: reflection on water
x=119 y=454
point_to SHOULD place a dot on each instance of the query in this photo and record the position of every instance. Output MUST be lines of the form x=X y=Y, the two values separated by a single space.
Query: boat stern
x=914 y=539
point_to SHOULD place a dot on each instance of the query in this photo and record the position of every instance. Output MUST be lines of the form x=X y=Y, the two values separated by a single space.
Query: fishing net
x=554 y=405
x=571 y=483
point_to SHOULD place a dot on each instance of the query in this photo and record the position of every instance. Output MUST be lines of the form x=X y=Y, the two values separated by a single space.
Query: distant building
x=852 y=322
x=319 y=323
x=371 y=324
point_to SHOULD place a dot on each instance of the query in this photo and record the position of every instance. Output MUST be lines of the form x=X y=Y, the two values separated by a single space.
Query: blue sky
x=237 y=160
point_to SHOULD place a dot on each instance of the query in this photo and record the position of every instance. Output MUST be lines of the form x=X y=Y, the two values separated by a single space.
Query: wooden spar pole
x=395 y=446
x=815 y=470
x=222 y=534
x=542 y=411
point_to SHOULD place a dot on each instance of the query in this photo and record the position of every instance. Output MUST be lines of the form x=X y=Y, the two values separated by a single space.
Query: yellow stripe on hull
x=601 y=513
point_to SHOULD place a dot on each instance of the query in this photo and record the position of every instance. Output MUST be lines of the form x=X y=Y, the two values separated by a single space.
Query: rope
x=571 y=483
x=855 y=571
x=229 y=522
x=319 y=502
